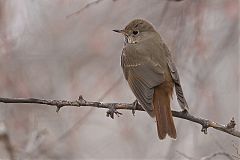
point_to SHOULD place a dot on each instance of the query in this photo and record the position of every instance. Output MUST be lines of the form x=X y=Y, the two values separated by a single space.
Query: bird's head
x=136 y=31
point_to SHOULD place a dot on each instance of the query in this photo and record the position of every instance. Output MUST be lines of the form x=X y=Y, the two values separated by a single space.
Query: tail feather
x=161 y=106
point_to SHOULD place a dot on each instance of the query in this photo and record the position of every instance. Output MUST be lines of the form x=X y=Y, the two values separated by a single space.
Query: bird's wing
x=178 y=88
x=142 y=75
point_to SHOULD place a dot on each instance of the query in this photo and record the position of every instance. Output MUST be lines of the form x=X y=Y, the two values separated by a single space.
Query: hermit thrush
x=151 y=74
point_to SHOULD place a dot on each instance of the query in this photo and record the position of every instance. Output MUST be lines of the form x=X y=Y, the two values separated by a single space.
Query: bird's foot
x=185 y=111
x=111 y=111
x=134 y=105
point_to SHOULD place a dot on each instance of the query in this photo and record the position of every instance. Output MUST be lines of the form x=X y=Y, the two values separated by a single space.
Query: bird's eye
x=135 y=32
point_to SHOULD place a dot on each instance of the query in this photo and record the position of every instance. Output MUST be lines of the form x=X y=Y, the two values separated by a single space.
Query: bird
x=152 y=75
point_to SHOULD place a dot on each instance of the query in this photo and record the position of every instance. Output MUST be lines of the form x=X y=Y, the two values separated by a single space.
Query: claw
x=112 y=110
x=185 y=111
x=205 y=127
x=204 y=130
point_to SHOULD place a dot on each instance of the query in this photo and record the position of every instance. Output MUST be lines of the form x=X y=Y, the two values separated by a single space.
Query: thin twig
x=113 y=107
x=217 y=154
x=185 y=156
x=209 y=157
x=93 y=3
x=85 y=7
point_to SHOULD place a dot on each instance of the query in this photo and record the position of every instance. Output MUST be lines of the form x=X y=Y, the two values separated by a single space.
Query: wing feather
x=178 y=88
x=142 y=76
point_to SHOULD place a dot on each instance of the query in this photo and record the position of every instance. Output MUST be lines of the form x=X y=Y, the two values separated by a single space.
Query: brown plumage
x=151 y=74
x=162 y=109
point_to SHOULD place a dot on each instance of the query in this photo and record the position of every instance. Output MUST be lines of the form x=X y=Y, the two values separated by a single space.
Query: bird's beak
x=120 y=31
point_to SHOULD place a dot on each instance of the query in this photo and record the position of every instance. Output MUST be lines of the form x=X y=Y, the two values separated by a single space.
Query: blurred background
x=61 y=49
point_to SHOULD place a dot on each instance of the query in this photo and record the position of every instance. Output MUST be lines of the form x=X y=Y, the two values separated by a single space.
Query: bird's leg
x=185 y=111
x=134 y=106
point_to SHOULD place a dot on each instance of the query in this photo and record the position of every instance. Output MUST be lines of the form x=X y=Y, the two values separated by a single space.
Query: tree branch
x=113 y=107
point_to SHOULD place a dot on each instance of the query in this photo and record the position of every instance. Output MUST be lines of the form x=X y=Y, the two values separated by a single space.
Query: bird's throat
x=129 y=40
